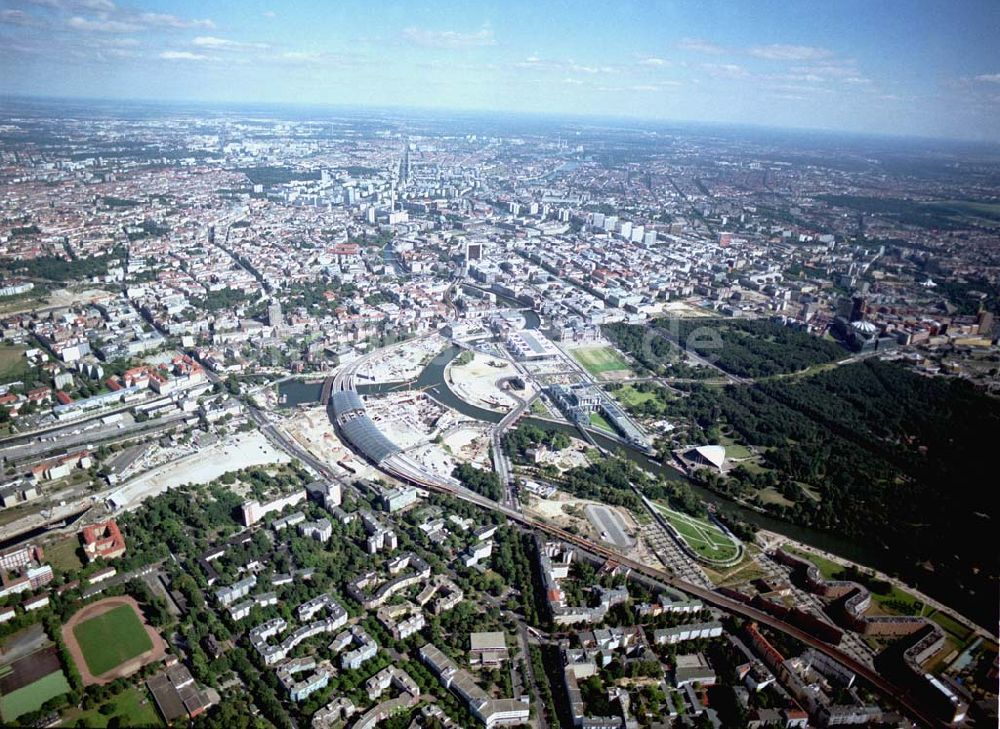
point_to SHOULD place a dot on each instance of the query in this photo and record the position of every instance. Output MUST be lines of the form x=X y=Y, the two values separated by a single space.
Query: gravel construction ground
x=202 y=466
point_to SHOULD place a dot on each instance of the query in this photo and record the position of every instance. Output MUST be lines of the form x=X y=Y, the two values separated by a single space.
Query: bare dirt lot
x=29 y=669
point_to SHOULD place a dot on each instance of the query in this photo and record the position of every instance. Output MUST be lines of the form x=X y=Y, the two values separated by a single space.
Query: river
x=431 y=381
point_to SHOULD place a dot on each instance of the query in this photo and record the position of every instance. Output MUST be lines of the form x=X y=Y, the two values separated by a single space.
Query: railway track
x=894 y=692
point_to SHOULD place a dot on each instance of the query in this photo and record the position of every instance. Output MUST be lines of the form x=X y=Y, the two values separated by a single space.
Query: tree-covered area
x=898 y=461
x=221 y=299
x=148 y=229
x=277 y=175
x=118 y=202
x=746 y=348
x=610 y=481
x=525 y=436
x=56 y=268
x=24 y=230
x=938 y=215
x=315 y=296
x=485 y=483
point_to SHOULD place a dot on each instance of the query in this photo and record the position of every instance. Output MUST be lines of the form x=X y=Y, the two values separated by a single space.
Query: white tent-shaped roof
x=714 y=454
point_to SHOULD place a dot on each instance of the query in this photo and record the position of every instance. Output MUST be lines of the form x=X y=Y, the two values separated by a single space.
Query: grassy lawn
x=952 y=628
x=133 y=707
x=734 y=449
x=110 y=639
x=771 y=495
x=598 y=360
x=701 y=535
x=598 y=421
x=62 y=555
x=13 y=365
x=827 y=567
x=628 y=396
x=744 y=571
x=32 y=696
x=894 y=602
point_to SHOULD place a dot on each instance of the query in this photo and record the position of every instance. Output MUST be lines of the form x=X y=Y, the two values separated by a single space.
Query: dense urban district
x=331 y=419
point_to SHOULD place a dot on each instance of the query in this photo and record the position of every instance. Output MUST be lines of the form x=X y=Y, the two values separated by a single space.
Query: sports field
x=598 y=360
x=32 y=696
x=702 y=536
x=111 y=638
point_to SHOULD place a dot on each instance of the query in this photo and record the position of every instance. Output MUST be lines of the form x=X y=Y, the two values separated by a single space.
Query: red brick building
x=103 y=540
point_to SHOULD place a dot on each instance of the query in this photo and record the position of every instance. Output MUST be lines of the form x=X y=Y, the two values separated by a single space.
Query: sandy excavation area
x=567 y=458
x=402 y=362
x=311 y=428
x=199 y=466
x=469 y=442
x=476 y=383
x=410 y=418
x=567 y=511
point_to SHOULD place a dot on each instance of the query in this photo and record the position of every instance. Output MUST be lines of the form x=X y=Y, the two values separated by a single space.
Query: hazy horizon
x=918 y=69
x=600 y=121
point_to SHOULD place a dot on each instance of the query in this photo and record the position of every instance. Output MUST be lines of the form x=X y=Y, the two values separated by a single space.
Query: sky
x=915 y=68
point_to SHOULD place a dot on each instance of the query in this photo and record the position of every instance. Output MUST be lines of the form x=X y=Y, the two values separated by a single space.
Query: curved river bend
x=432 y=381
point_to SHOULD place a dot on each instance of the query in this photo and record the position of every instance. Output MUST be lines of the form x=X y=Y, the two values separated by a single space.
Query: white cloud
x=183 y=56
x=128 y=22
x=782 y=52
x=103 y=6
x=570 y=66
x=990 y=78
x=15 y=17
x=102 y=26
x=725 y=70
x=699 y=45
x=164 y=20
x=209 y=41
x=121 y=42
x=589 y=69
x=652 y=61
x=303 y=56
x=449 y=38
x=311 y=59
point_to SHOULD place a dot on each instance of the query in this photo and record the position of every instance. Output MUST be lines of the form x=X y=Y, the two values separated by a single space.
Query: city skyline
x=911 y=69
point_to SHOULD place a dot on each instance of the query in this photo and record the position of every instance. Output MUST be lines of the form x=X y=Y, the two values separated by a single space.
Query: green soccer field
x=31 y=697
x=112 y=638
x=598 y=360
